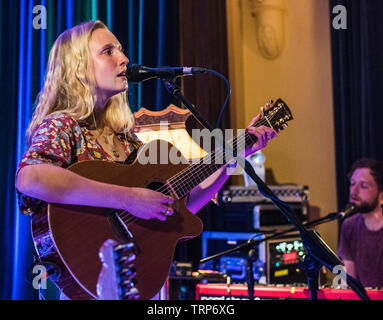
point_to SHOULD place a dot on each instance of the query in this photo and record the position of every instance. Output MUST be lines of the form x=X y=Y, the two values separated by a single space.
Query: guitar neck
x=189 y=178
x=275 y=117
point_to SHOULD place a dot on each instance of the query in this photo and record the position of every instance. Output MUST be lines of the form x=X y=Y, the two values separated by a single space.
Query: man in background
x=361 y=235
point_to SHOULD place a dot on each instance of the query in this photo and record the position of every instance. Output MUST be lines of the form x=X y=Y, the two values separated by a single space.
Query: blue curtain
x=148 y=31
x=357 y=53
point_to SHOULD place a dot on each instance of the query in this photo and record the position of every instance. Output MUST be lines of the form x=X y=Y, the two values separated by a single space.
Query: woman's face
x=109 y=63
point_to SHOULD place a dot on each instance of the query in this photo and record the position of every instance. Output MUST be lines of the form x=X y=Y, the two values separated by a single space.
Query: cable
x=219 y=119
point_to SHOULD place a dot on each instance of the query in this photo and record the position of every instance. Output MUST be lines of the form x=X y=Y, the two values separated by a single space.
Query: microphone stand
x=250 y=259
x=320 y=254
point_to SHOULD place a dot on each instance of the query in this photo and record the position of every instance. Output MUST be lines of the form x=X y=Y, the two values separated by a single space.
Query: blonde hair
x=69 y=84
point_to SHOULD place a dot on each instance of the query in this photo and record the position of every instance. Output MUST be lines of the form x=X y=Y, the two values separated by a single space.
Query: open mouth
x=122 y=74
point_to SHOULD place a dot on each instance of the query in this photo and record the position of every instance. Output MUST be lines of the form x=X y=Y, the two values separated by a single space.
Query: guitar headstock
x=117 y=278
x=275 y=115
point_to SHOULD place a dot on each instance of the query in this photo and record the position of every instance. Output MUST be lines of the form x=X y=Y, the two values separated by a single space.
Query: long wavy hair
x=69 y=85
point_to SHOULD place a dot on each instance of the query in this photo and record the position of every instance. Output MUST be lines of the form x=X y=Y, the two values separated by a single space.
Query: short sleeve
x=345 y=252
x=51 y=144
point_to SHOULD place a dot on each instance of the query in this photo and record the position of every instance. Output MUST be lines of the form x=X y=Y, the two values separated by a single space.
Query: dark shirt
x=365 y=248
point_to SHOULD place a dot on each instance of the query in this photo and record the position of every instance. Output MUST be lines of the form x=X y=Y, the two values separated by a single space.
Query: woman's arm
x=54 y=184
x=207 y=189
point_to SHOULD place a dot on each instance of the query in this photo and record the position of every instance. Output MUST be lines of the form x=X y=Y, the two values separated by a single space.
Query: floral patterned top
x=62 y=141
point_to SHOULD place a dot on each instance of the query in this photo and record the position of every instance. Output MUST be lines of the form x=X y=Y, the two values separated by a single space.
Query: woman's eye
x=108 y=52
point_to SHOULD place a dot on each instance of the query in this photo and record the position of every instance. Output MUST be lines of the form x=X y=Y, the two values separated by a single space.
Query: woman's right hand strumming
x=148 y=204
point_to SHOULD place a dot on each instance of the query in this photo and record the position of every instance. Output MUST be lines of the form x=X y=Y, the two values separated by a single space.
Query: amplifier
x=287 y=193
x=240 y=292
x=234 y=264
x=246 y=209
x=269 y=217
x=250 y=217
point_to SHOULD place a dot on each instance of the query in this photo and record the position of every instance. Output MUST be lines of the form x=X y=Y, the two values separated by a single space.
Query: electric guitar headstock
x=117 y=278
x=275 y=115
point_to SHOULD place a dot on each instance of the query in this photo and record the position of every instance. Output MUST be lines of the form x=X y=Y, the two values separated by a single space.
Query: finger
x=160 y=216
x=263 y=131
x=164 y=213
x=257 y=130
x=270 y=135
x=168 y=200
x=264 y=140
x=255 y=119
x=167 y=211
x=271 y=132
x=259 y=133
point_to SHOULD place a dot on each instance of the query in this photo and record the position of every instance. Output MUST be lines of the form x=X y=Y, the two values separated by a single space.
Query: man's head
x=366 y=184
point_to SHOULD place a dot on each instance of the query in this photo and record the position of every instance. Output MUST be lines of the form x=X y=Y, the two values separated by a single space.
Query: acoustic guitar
x=71 y=236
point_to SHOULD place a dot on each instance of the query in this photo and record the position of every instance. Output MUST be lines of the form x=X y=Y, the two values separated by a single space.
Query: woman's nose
x=124 y=61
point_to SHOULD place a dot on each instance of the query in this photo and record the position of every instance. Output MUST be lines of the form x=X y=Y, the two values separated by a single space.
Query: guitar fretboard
x=182 y=183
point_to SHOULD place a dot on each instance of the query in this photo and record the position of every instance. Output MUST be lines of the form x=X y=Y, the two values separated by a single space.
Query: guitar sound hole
x=159 y=186
x=120 y=229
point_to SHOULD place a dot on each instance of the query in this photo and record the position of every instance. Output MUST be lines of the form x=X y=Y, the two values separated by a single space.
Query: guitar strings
x=261 y=122
x=178 y=179
x=209 y=160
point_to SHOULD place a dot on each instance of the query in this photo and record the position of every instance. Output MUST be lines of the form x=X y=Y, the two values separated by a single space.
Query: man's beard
x=367 y=207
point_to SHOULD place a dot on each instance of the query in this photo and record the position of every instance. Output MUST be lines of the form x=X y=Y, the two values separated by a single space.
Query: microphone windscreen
x=350 y=209
x=137 y=73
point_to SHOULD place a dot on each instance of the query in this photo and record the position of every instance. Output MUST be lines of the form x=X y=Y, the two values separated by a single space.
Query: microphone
x=350 y=209
x=137 y=73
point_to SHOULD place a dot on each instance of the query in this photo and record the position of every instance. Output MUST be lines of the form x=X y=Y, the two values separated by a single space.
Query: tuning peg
x=128 y=290
x=128 y=271
x=124 y=259
x=129 y=283
x=130 y=294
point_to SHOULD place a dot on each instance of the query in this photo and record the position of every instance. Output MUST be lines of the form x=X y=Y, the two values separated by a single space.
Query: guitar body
x=71 y=236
